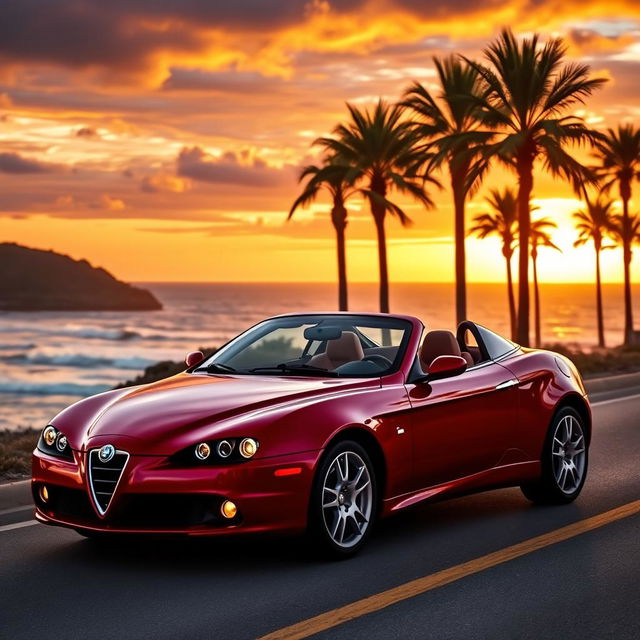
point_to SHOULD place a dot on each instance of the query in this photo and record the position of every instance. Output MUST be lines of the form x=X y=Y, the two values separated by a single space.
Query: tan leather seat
x=441 y=343
x=346 y=348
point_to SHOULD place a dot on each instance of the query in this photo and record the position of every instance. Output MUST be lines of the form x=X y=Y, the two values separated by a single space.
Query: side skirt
x=503 y=476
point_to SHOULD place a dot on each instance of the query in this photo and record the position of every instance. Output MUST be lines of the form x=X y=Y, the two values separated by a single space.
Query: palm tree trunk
x=625 y=192
x=457 y=186
x=382 y=263
x=512 y=301
x=536 y=298
x=339 y=219
x=343 y=302
x=599 y=300
x=525 y=185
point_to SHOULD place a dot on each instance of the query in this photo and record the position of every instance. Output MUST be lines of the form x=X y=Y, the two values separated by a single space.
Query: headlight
x=211 y=452
x=49 y=435
x=224 y=448
x=202 y=451
x=61 y=442
x=248 y=447
x=55 y=443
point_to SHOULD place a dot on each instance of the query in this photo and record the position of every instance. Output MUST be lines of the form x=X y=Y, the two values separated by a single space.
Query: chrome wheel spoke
x=359 y=490
x=568 y=454
x=347 y=503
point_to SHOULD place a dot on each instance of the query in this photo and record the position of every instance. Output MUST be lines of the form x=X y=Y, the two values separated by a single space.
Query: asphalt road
x=55 y=584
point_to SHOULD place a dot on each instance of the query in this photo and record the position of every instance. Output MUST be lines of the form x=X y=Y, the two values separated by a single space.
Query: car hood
x=159 y=418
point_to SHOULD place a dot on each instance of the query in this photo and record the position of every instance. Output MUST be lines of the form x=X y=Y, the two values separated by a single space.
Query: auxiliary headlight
x=202 y=451
x=49 y=436
x=248 y=447
x=61 y=442
x=224 y=448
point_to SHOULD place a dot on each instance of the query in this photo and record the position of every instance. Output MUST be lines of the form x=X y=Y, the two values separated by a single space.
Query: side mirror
x=446 y=367
x=193 y=358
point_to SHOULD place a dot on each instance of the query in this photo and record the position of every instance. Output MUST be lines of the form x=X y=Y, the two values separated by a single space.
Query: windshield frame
x=357 y=319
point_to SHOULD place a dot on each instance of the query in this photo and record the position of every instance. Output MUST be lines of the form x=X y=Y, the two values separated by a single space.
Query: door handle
x=507 y=384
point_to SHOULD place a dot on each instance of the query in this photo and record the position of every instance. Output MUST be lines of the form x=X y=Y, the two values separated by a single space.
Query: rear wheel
x=343 y=501
x=564 y=461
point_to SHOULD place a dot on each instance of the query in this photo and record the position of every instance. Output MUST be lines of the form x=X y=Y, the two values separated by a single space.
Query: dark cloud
x=15 y=163
x=450 y=7
x=87 y=132
x=194 y=163
x=123 y=34
x=231 y=81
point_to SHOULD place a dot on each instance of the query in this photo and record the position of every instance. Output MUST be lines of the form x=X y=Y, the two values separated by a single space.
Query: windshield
x=315 y=345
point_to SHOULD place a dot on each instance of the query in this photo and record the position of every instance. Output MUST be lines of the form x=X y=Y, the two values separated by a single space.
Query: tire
x=339 y=527
x=564 y=469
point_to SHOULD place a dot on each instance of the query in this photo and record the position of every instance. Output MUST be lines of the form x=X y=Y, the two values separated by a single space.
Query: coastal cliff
x=37 y=280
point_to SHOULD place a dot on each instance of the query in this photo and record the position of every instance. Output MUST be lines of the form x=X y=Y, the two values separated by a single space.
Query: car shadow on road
x=478 y=521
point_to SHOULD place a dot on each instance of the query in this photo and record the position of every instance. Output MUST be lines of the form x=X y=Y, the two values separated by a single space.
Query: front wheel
x=343 y=500
x=564 y=461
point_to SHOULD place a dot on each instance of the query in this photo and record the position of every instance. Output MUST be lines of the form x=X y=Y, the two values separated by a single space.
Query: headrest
x=346 y=348
x=438 y=343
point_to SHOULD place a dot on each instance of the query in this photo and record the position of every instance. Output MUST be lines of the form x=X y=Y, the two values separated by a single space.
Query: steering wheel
x=379 y=360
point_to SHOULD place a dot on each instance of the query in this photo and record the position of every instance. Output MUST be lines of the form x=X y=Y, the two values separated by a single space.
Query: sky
x=163 y=139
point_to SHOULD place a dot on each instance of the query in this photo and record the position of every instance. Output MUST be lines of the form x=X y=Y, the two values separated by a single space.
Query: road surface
x=484 y=566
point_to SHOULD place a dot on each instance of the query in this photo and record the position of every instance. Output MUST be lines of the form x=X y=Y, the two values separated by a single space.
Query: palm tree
x=527 y=89
x=619 y=155
x=440 y=122
x=540 y=237
x=626 y=232
x=381 y=150
x=594 y=222
x=503 y=222
x=333 y=178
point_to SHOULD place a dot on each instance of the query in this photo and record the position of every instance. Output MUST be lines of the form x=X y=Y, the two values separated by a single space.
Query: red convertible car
x=318 y=422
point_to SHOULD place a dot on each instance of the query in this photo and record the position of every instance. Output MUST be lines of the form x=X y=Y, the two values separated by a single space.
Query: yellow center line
x=332 y=618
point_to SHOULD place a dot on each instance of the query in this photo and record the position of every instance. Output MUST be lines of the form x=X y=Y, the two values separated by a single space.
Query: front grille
x=137 y=511
x=104 y=477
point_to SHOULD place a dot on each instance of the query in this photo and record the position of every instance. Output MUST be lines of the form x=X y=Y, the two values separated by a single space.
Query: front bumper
x=154 y=496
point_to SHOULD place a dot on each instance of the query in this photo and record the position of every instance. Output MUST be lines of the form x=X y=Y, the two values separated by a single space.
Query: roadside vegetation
x=15 y=452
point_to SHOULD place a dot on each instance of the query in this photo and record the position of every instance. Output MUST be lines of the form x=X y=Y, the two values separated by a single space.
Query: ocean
x=50 y=359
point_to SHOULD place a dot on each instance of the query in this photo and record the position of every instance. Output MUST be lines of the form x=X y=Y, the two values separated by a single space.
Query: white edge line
x=612 y=400
x=15 y=483
x=18 y=525
x=4 y=512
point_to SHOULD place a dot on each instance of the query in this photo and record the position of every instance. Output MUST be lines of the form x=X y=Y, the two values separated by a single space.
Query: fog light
x=61 y=442
x=202 y=451
x=43 y=492
x=49 y=436
x=228 y=509
x=248 y=447
x=224 y=448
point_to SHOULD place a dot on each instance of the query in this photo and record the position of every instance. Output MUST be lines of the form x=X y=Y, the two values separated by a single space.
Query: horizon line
x=373 y=282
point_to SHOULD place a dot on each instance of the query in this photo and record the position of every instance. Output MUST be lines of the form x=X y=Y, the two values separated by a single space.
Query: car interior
x=351 y=353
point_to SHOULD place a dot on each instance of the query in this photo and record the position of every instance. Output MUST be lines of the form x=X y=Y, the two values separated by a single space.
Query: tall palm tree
x=626 y=232
x=528 y=88
x=503 y=222
x=334 y=178
x=619 y=155
x=594 y=223
x=441 y=120
x=381 y=149
x=540 y=237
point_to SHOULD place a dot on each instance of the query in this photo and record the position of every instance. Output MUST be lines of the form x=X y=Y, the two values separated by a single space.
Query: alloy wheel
x=347 y=499
x=568 y=454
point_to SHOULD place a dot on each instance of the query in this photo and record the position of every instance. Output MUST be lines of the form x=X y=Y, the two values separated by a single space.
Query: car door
x=463 y=424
